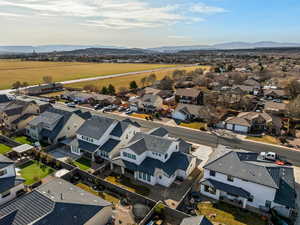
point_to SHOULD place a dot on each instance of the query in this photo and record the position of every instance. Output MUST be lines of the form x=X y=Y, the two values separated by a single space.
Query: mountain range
x=166 y=49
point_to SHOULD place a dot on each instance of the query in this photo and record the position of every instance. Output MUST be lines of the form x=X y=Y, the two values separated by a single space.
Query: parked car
x=71 y=104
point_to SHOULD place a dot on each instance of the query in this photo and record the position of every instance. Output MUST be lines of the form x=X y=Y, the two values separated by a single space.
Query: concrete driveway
x=63 y=155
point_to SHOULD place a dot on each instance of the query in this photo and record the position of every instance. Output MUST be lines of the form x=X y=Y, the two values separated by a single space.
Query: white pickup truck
x=272 y=156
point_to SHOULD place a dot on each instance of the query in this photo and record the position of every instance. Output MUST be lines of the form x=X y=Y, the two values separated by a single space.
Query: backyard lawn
x=229 y=215
x=101 y=194
x=126 y=183
x=23 y=140
x=83 y=163
x=34 y=171
x=4 y=149
x=266 y=138
x=194 y=125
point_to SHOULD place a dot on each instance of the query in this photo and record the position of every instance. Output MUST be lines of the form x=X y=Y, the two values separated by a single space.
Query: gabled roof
x=196 y=220
x=95 y=127
x=4 y=98
x=56 y=202
x=15 y=107
x=188 y=92
x=86 y=146
x=238 y=121
x=10 y=182
x=4 y=161
x=159 y=131
x=109 y=145
x=200 y=111
x=142 y=142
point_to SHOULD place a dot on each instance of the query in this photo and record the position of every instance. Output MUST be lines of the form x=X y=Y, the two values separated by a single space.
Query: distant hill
x=107 y=51
x=48 y=48
x=225 y=46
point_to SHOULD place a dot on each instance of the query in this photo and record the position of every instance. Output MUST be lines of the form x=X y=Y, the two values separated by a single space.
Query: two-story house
x=155 y=158
x=15 y=114
x=10 y=184
x=57 y=202
x=189 y=96
x=54 y=125
x=102 y=137
x=150 y=103
x=245 y=179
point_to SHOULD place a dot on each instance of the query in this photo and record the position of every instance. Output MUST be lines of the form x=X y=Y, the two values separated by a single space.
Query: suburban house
x=244 y=89
x=155 y=158
x=246 y=180
x=251 y=122
x=101 y=137
x=150 y=103
x=252 y=82
x=90 y=98
x=42 y=89
x=16 y=114
x=196 y=220
x=4 y=98
x=54 y=125
x=275 y=108
x=189 y=96
x=10 y=184
x=188 y=112
x=276 y=94
x=57 y=202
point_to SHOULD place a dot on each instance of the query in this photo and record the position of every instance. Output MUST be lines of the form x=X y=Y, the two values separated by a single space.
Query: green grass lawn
x=194 y=125
x=4 y=149
x=101 y=194
x=23 y=140
x=126 y=183
x=83 y=163
x=34 y=171
x=229 y=215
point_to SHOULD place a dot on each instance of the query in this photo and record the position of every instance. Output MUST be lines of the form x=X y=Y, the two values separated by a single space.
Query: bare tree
x=143 y=81
x=151 y=78
x=47 y=79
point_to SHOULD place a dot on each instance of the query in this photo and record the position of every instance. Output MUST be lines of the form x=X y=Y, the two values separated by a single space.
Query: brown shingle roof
x=190 y=92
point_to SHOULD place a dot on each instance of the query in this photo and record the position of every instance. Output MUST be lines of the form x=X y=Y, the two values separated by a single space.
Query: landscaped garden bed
x=34 y=171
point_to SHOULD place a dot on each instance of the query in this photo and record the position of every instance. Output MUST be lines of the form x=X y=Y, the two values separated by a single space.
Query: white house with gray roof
x=57 y=202
x=155 y=158
x=10 y=183
x=102 y=137
x=245 y=179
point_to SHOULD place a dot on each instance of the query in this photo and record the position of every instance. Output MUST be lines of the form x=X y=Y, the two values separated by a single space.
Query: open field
x=124 y=81
x=33 y=72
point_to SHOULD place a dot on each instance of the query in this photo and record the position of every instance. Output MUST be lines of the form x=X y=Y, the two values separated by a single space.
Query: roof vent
x=61 y=196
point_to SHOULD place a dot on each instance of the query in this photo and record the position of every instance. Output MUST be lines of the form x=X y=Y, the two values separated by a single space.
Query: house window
x=250 y=199
x=210 y=190
x=130 y=156
x=230 y=178
x=148 y=177
x=166 y=156
x=268 y=204
x=212 y=173
x=3 y=172
x=140 y=175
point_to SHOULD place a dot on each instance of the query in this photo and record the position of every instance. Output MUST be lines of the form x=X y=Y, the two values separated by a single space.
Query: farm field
x=33 y=72
x=124 y=81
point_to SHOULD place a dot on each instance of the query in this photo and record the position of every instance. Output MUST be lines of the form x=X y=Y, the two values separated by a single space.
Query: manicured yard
x=83 y=163
x=229 y=215
x=266 y=139
x=4 y=149
x=194 y=125
x=103 y=195
x=126 y=183
x=23 y=140
x=34 y=171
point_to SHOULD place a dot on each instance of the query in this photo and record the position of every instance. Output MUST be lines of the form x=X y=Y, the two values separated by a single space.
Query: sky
x=147 y=23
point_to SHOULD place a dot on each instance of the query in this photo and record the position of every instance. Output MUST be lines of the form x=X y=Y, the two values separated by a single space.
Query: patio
x=63 y=154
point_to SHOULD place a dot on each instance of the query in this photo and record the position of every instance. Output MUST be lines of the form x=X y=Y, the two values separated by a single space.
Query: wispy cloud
x=116 y=14
x=206 y=9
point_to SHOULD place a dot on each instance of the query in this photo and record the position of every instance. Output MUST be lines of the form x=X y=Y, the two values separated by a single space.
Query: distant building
x=10 y=184
x=57 y=202
x=42 y=89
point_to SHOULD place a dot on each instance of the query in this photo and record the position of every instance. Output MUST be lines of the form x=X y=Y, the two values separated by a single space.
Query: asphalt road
x=205 y=138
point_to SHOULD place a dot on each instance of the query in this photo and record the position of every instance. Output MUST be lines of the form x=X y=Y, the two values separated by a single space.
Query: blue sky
x=142 y=23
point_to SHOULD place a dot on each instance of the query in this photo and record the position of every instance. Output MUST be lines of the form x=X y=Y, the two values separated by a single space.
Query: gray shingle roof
x=4 y=161
x=227 y=188
x=86 y=146
x=247 y=166
x=196 y=220
x=4 y=98
x=109 y=145
x=119 y=129
x=95 y=127
x=55 y=203
x=177 y=161
x=9 y=182
x=160 y=131
x=142 y=142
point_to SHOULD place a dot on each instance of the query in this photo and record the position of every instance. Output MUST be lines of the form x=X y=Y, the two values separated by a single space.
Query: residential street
x=205 y=138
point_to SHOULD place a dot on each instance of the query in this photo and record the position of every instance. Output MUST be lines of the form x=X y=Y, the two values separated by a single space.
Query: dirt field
x=124 y=81
x=32 y=72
